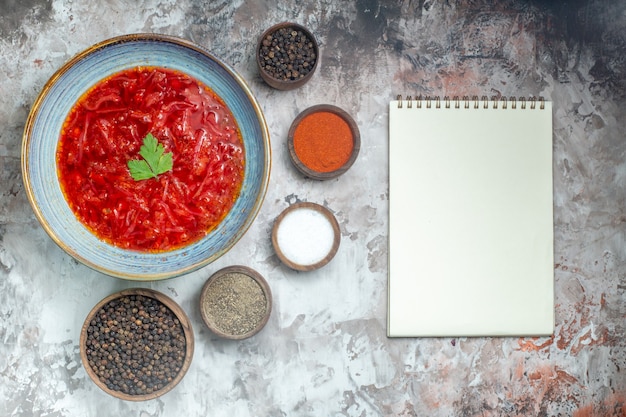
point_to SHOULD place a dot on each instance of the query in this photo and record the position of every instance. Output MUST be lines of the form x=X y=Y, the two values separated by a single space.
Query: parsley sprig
x=155 y=161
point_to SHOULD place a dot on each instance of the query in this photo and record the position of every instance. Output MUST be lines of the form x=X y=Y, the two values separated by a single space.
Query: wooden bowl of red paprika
x=324 y=141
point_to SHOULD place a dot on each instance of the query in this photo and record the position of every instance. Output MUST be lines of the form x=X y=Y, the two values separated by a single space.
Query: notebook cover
x=471 y=221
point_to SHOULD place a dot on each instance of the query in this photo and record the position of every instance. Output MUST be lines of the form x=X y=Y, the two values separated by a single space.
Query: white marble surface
x=324 y=351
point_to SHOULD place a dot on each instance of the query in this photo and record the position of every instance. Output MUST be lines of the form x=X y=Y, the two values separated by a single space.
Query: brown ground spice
x=235 y=304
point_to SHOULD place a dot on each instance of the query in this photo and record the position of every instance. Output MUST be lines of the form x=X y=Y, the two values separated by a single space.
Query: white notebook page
x=471 y=220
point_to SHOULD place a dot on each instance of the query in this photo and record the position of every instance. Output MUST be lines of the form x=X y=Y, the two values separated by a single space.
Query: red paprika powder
x=323 y=141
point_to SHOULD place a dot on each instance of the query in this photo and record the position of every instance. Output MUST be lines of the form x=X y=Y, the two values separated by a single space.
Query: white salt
x=305 y=236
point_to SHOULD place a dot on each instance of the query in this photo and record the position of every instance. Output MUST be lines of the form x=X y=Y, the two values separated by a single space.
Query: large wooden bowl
x=117 y=336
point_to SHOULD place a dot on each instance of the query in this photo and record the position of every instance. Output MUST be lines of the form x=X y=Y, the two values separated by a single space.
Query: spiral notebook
x=470 y=217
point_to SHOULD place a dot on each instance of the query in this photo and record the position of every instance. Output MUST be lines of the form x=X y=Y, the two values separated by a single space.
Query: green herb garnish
x=154 y=161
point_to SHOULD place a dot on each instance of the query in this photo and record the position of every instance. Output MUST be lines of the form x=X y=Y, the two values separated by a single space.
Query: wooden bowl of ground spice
x=324 y=141
x=287 y=55
x=136 y=344
x=236 y=302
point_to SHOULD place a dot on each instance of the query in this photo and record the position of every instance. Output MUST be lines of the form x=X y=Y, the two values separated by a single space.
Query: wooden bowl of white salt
x=306 y=236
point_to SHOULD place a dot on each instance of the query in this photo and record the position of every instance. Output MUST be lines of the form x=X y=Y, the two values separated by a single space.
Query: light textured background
x=324 y=351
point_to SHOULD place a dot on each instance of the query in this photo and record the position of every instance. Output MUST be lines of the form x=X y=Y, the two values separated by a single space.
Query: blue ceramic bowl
x=43 y=129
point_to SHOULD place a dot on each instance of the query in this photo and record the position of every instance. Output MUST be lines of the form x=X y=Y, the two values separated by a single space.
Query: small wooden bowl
x=269 y=78
x=176 y=311
x=292 y=238
x=231 y=299
x=309 y=171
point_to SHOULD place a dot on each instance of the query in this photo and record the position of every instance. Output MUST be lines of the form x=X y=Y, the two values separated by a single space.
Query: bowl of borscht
x=146 y=157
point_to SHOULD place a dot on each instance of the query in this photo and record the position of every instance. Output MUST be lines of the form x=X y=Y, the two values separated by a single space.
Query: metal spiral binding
x=502 y=102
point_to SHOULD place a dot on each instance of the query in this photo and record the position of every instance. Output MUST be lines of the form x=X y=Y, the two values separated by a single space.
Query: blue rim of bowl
x=42 y=130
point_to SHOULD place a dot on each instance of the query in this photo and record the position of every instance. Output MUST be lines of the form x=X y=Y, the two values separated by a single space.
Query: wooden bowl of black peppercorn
x=287 y=55
x=136 y=344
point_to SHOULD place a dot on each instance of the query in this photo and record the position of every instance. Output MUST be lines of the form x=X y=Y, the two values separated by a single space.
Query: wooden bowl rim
x=255 y=276
x=282 y=84
x=176 y=310
x=356 y=138
x=336 y=238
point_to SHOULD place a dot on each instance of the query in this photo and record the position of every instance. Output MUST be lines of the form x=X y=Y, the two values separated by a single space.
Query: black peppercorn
x=287 y=54
x=122 y=349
